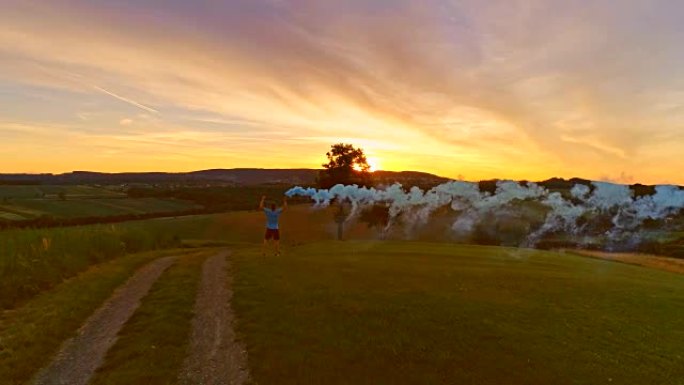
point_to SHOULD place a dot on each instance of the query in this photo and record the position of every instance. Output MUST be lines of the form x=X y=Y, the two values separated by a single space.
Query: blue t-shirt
x=272 y=218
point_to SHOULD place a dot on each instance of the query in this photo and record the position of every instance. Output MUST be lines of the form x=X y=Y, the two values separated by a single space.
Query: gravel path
x=215 y=356
x=81 y=355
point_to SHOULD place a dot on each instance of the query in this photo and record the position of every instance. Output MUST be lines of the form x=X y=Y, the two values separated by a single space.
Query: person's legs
x=277 y=246
x=267 y=237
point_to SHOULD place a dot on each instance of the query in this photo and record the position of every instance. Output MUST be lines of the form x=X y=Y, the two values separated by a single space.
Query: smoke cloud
x=609 y=211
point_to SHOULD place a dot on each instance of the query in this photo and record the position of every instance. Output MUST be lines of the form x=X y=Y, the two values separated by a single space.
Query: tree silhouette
x=346 y=165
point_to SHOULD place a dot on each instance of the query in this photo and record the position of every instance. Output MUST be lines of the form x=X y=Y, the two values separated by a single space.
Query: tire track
x=80 y=356
x=215 y=356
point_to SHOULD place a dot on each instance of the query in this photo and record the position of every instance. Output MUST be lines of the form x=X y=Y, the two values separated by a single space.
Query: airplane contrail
x=123 y=99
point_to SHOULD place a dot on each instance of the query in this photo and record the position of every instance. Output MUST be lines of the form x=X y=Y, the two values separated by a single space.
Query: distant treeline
x=20 y=182
x=565 y=185
x=239 y=176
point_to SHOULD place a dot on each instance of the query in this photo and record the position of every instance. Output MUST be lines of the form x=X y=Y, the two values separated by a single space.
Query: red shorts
x=272 y=234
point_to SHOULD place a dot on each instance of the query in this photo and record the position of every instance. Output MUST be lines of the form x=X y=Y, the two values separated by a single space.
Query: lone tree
x=346 y=165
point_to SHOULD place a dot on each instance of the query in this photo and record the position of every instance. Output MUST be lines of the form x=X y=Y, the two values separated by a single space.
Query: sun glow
x=373 y=163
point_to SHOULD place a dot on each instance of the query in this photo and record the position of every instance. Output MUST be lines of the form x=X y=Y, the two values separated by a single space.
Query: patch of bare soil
x=215 y=355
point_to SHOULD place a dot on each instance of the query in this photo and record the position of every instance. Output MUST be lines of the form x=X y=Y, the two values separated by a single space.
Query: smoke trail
x=584 y=210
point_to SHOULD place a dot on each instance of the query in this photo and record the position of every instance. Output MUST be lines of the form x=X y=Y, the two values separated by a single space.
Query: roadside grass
x=429 y=313
x=152 y=345
x=32 y=261
x=31 y=334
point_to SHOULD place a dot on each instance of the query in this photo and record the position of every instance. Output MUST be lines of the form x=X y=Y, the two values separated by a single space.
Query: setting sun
x=374 y=164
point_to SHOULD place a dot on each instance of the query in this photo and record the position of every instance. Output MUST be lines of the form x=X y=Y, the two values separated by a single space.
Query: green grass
x=35 y=260
x=153 y=343
x=31 y=334
x=427 y=313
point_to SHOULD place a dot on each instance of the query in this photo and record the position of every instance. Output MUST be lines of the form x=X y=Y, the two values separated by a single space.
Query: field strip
x=80 y=356
x=128 y=210
x=673 y=265
x=215 y=356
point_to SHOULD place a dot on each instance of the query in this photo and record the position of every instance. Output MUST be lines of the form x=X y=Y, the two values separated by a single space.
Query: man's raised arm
x=284 y=203
x=261 y=204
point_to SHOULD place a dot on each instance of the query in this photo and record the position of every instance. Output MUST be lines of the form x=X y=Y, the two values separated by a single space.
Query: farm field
x=92 y=207
x=56 y=204
x=53 y=191
x=68 y=202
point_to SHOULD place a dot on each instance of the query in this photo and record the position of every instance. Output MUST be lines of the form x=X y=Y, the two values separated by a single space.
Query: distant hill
x=258 y=176
x=236 y=176
x=408 y=178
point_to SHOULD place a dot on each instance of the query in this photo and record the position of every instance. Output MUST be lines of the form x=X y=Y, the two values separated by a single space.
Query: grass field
x=362 y=312
x=32 y=261
x=425 y=313
x=152 y=345
x=31 y=334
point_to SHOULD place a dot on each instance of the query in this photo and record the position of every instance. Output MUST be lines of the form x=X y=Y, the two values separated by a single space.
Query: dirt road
x=215 y=356
x=80 y=356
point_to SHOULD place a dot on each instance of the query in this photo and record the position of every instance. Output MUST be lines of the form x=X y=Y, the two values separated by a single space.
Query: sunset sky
x=478 y=89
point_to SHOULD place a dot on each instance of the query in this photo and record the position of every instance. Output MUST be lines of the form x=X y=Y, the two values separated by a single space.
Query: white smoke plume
x=572 y=215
